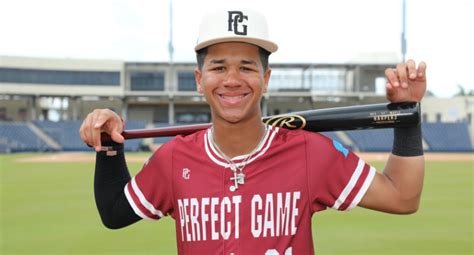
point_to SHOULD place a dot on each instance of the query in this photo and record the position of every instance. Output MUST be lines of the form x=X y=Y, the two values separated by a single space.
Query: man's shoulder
x=300 y=133
x=311 y=140
x=191 y=137
x=181 y=145
x=187 y=141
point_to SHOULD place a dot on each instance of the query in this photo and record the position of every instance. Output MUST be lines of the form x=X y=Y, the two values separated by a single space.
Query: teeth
x=232 y=97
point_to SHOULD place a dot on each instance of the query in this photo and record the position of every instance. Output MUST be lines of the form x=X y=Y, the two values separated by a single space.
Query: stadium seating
x=66 y=133
x=335 y=137
x=377 y=140
x=161 y=140
x=447 y=137
x=134 y=144
x=18 y=137
x=332 y=135
x=4 y=148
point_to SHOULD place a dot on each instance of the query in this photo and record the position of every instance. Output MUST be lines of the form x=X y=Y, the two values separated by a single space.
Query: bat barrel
x=372 y=116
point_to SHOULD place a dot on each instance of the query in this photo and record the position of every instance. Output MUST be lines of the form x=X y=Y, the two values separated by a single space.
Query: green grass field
x=48 y=208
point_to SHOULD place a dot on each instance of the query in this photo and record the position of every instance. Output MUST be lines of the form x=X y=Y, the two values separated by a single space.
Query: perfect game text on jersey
x=271 y=215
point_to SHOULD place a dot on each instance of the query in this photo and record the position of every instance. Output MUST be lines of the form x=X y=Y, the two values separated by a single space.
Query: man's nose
x=232 y=78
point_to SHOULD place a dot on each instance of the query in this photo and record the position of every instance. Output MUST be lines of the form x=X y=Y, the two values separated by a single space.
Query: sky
x=438 y=32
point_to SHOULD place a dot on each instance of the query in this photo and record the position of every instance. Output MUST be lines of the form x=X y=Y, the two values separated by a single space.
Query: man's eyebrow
x=217 y=61
x=248 y=62
x=222 y=61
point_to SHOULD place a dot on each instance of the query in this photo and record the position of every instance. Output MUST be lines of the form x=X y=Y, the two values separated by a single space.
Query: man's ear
x=197 y=77
x=266 y=79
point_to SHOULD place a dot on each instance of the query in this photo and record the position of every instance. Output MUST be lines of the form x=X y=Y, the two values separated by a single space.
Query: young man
x=242 y=187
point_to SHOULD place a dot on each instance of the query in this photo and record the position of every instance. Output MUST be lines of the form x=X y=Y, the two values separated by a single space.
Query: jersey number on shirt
x=288 y=251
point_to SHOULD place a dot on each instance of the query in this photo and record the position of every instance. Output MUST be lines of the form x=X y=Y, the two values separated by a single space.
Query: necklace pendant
x=240 y=178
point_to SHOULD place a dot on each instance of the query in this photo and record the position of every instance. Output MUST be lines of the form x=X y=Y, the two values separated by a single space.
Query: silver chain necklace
x=239 y=176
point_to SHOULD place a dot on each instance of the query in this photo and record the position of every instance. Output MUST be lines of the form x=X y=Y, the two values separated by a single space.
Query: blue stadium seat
x=331 y=135
x=376 y=140
x=447 y=137
x=134 y=144
x=18 y=137
x=66 y=133
x=161 y=140
x=4 y=148
x=335 y=137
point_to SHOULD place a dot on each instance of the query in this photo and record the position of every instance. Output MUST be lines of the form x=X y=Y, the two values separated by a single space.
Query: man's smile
x=232 y=98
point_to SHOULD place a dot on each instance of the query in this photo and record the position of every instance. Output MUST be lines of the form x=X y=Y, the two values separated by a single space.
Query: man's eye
x=218 y=69
x=248 y=69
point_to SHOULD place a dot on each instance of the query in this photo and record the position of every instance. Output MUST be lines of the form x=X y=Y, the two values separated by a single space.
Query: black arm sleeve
x=111 y=176
x=408 y=142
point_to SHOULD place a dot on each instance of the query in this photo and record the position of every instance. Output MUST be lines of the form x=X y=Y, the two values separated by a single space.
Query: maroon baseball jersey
x=292 y=175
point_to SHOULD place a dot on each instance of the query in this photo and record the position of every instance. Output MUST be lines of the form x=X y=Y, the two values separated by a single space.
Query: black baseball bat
x=370 y=116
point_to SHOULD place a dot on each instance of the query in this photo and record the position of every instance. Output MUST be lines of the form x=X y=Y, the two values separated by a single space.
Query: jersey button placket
x=231 y=244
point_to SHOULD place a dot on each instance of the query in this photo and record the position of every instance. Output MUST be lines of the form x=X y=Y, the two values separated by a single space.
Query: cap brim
x=265 y=44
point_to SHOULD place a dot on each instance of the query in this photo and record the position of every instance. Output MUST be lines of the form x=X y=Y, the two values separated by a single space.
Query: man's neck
x=238 y=139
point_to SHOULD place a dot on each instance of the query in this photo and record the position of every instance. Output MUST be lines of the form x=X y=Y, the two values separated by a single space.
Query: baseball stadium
x=47 y=200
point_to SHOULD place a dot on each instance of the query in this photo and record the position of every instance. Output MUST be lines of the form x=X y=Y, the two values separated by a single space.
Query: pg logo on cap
x=235 y=18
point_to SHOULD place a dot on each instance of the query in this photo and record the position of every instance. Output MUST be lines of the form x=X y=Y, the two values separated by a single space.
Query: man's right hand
x=98 y=121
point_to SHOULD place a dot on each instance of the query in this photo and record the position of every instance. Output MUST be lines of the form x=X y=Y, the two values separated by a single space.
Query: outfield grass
x=48 y=208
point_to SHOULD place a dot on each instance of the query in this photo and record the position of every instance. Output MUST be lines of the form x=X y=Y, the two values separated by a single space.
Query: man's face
x=232 y=80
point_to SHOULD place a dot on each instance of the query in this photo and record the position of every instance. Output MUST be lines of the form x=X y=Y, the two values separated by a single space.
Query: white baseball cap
x=234 y=25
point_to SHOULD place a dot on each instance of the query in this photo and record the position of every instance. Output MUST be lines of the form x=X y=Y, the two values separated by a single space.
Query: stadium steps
x=43 y=136
x=471 y=133
x=426 y=146
x=346 y=140
x=148 y=141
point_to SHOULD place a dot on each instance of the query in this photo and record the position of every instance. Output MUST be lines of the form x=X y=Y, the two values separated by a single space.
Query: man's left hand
x=406 y=82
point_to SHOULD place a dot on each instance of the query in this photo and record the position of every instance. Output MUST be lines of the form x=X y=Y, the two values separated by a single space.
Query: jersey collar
x=212 y=153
